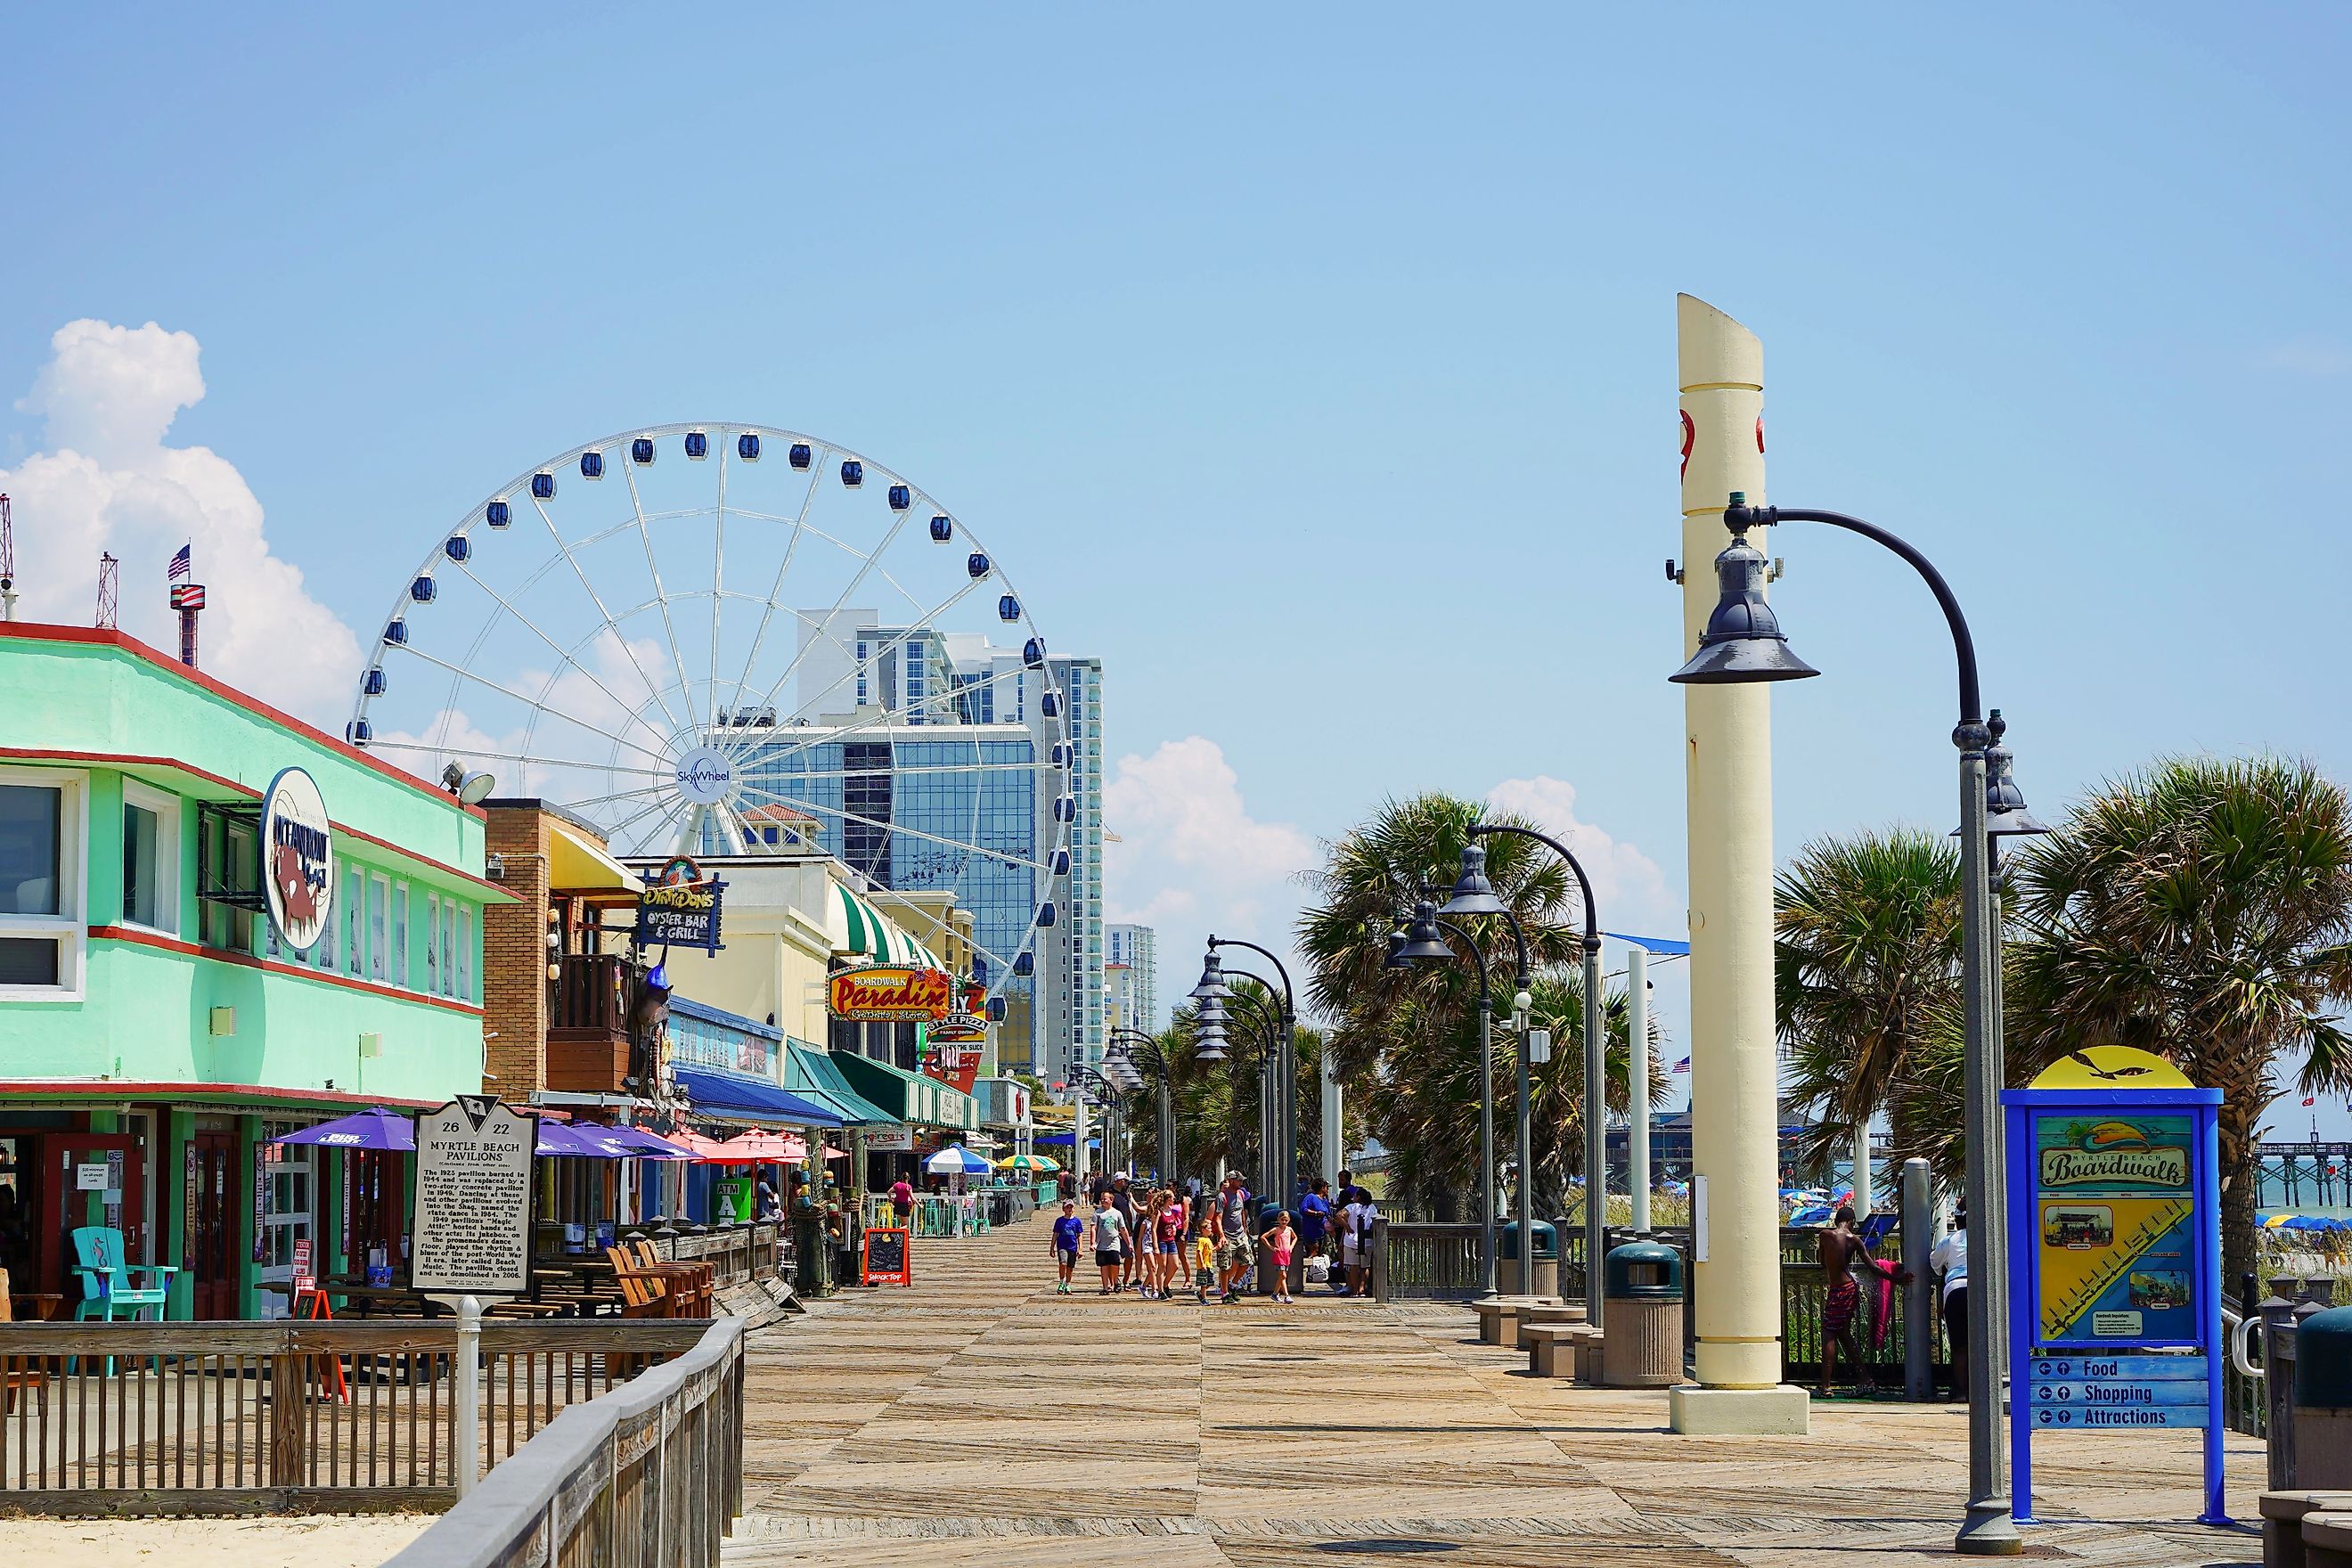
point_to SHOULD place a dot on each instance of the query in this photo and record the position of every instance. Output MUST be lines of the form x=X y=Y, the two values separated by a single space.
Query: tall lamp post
x=1282 y=1148
x=1265 y=1018
x=1092 y=1082
x=1743 y=644
x=1474 y=895
x=1211 y=1041
x=1421 y=944
x=1141 y=1048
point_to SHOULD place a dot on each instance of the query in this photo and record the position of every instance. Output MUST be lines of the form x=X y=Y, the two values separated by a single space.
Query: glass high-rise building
x=1132 y=950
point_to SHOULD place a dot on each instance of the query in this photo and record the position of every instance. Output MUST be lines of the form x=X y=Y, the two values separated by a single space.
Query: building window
x=228 y=878
x=465 y=923
x=354 y=920
x=151 y=859
x=432 y=944
x=40 y=885
x=448 y=949
x=400 y=936
x=379 y=916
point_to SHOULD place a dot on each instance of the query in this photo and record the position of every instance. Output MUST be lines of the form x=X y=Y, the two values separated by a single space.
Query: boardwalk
x=976 y=1417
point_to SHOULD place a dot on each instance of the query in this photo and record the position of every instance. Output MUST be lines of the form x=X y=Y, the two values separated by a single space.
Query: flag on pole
x=2311 y=1100
x=179 y=565
x=1683 y=1066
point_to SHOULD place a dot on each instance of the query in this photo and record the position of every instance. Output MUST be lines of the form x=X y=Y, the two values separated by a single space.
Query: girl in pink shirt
x=1280 y=1242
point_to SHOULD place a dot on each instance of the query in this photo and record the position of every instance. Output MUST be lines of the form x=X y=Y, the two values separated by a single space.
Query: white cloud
x=1190 y=855
x=1628 y=888
x=105 y=480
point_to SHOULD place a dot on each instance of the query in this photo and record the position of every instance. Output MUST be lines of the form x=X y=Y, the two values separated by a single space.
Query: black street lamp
x=1135 y=1046
x=1743 y=642
x=1282 y=1147
x=1474 y=895
x=1266 y=1017
x=1424 y=943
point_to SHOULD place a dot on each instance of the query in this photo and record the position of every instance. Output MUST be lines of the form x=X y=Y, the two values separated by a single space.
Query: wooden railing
x=1412 y=1259
x=588 y=994
x=295 y=1416
x=647 y=1476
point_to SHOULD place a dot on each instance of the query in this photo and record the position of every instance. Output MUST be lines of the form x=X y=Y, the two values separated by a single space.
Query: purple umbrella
x=374 y=1128
x=641 y=1145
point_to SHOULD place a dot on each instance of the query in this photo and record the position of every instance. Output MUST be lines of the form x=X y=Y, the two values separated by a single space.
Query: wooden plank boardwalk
x=976 y=1417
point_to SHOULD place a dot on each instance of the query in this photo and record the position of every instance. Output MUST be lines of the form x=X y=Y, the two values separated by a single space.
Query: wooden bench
x=1544 y=1342
x=1499 y=1317
x=1543 y=1315
x=2286 y=1514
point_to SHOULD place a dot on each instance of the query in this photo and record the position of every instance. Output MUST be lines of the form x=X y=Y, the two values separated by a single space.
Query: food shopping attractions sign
x=298 y=844
x=891 y=993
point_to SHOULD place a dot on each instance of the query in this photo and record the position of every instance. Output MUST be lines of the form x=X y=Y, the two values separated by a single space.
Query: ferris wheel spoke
x=537 y=707
x=905 y=773
x=667 y=804
x=653 y=571
x=718 y=580
x=1009 y=860
x=783 y=569
x=639 y=793
x=558 y=648
x=597 y=599
x=817 y=737
x=882 y=895
x=528 y=760
x=922 y=622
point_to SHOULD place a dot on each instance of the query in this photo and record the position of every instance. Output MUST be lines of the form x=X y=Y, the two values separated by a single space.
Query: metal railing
x=647 y=1476
x=1415 y=1258
x=295 y=1416
x=935 y=1213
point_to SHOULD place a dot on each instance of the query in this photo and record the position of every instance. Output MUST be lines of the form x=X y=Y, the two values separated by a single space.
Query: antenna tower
x=110 y=576
x=7 y=563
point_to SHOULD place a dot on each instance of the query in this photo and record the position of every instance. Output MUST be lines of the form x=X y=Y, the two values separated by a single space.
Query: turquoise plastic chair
x=107 y=1292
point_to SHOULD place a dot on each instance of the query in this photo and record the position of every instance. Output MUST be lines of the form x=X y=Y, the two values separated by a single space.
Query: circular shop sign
x=705 y=775
x=298 y=848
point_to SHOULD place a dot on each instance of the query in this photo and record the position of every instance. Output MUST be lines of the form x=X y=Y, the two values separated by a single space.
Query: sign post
x=2115 y=1298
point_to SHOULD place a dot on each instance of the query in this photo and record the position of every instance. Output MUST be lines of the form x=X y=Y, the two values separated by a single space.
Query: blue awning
x=1663 y=944
x=735 y=1097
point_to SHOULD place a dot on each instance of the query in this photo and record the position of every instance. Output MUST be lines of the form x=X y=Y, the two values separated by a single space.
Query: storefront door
x=285 y=1194
x=94 y=1178
x=210 y=1224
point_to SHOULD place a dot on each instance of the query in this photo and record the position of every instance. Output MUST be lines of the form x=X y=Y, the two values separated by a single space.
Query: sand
x=337 y=1540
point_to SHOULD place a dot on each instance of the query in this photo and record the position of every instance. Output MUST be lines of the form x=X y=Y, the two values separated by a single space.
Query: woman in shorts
x=1170 y=1229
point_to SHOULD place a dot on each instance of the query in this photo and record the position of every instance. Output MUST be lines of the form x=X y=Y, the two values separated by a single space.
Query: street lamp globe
x=1743 y=641
x=1473 y=893
x=1213 y=979
x=1396 y=958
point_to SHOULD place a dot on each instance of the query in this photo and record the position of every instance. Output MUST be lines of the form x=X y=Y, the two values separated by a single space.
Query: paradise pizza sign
x=891 y=993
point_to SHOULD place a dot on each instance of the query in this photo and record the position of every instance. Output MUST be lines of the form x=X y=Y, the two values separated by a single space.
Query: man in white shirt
x=1356 y=1240
x=1949 y=1261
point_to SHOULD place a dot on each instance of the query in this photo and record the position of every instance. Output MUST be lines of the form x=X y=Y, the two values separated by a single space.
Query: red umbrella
x=704 y=1149
x=759 y=1146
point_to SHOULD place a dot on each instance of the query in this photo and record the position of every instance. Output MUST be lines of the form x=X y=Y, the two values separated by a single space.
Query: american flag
x=2311 y=1100
x=179 y=566
x=1683 y=1066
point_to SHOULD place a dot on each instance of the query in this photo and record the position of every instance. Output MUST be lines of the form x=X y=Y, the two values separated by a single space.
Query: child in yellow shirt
x=1204 y=1263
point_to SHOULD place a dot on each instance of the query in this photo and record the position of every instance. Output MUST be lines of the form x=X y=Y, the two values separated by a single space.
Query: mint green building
x=157 y=1025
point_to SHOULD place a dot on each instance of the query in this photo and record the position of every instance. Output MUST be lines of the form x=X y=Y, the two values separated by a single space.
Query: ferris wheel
x=734 y=639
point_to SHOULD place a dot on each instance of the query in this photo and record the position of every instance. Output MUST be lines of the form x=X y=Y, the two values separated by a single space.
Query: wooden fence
x=294 y=1415
x=647 y=1476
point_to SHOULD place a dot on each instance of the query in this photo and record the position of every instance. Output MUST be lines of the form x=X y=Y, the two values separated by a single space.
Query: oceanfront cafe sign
x=891 y=993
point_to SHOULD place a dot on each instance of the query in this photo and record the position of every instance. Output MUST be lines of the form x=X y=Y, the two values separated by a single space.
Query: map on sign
x=2113 y=1203
x=472 y=1206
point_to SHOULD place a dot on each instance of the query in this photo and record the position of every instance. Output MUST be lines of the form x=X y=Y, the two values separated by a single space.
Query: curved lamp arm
x=1583 y=882
x=1740 y=518
x=1289 y=1005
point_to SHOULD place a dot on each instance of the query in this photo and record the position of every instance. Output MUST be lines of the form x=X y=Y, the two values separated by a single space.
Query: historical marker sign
x=473 y=1199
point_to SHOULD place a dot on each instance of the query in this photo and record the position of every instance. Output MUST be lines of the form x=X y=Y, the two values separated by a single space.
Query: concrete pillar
x=1637 y=1057
x=1333 y=1128
x=1862 y=1193
x=1728 y=753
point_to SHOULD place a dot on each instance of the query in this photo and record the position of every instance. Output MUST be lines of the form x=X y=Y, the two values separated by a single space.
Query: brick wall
x=514 y=955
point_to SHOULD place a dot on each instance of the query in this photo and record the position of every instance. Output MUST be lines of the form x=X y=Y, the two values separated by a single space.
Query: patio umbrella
x=1027 y=1163
x=374 y=1128
x=697 y=1146
x=558 y=1141
x=759 y=1146
x=640 y=1144
x=956 y=1160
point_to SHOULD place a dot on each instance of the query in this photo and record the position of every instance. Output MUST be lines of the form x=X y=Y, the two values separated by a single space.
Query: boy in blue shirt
x=1067 y=1230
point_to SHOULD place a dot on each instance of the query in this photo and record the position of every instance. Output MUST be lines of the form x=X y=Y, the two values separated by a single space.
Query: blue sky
x=1314 y=367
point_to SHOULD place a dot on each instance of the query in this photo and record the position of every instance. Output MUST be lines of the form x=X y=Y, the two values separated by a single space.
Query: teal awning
x=809 y=1071
x=920 y=1101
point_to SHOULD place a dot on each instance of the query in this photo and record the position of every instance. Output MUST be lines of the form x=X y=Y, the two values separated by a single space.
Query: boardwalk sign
x=472 y=1204
x=2114 y=1301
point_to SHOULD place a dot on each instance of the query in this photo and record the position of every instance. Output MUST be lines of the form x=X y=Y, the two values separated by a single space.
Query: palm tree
x=1406 y=1039
x=2203 y=911
x=1867 y=981
x=1558 y=1085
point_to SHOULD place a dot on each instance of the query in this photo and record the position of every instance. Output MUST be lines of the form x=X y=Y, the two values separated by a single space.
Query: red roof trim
x=102 y=636
x=218 y=955
x=127 y=759
x=111 y=1089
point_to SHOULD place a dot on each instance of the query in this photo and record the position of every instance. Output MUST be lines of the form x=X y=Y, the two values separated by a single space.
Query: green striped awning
x=868 y=933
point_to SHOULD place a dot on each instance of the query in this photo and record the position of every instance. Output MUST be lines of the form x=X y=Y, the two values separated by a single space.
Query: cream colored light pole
x=1728 y=752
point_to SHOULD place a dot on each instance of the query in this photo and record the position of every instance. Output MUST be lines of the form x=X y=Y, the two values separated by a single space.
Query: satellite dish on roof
x=474 y=788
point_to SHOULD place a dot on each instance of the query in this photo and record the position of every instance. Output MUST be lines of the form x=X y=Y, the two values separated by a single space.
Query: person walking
x=1951 y=1262
x=1111 y=1238
x=1234 y=1255
x=902 y=1202
x=1280 y=1240
x=1122 y=1199
x=1069 y=1231
x=1202 y=1253
x=1171 y=1243
x=1834 y=1254
x=1315 y=1217
x=1356 y=1240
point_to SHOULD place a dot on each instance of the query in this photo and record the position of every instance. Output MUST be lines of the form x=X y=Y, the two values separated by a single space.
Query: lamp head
x=2006 y=813
x=1423 y=942
x=1213 y=979
x=1396 y=948
x=1743 y=642
x=1473 y=893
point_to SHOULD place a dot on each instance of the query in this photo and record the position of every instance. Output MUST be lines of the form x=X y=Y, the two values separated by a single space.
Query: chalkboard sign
x=885 y=1259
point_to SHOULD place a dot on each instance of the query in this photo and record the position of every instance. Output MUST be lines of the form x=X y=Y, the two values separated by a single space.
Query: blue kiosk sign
x=2116 y=1288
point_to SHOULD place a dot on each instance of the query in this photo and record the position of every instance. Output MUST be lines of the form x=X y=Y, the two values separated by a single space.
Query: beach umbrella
x=1026 y=1162
x=956 y=1160
x=759 y=1146
x=641 y=1145
x=374 y=1128
x=697 y=1146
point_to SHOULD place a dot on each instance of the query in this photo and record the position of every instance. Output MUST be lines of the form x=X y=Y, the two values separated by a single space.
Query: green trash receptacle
x=1540 y=1278
x=1642 y=1315
x=2322 y=1401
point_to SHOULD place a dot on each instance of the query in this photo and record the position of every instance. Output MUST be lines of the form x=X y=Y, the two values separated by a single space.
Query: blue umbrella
x=374 y=1128
x=956 y=1159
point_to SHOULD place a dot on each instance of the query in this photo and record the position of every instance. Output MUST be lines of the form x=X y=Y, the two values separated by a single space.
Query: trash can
x=1642 y=1316
x=2322 y=1401
x=1543 y=1278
